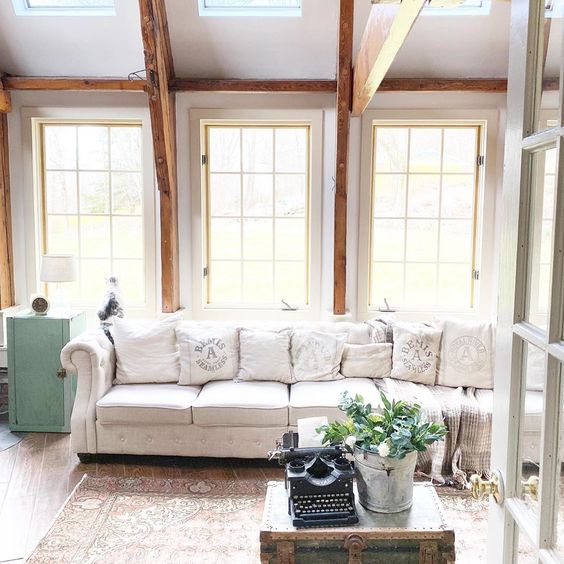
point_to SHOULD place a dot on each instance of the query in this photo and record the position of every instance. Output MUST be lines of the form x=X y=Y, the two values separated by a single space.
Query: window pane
x=257 y=239
x=93 y=148
x=291 y=154
x=454 y=284
x=225 y=281
x=61 y=192
x=94 y=192
x=225 y=238
x=388 y=239
x=62 y=234
x=258 y=150
x=131 y=276
x=252 y=3
x=60 y=147
x=391 y=149
x=127 y=237
x=386 y=283
x=225 y=149
x=420 y=284
x=95 y=236
x=289 y=283
x=423 y=195
x=459 y=153
x=258 y=282
x=425 y=150
x=290 y=239
x=290 y=195
x=93 y=274
x=127 y=193
x=225 y=194
x=421 y=242
x=126 y=153
x=456 y=241
x=458 y=196
x=71 y=3
x=257 y=194
x=389 y=195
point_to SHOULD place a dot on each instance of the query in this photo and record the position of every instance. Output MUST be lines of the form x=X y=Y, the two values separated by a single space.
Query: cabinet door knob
x=61 y=373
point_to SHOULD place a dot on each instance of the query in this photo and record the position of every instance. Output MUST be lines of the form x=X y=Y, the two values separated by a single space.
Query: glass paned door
x=528 y=395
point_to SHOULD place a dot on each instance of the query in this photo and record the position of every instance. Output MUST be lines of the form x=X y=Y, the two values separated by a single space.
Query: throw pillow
x=206 y=354
x=146 y=352
x=265 y=355
x=467 y=354
x=381 y=330
x=415 y=354
x=316 y=356
x=367 y=361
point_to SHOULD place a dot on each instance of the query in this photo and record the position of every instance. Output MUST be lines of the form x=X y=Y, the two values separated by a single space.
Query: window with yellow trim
x=424 y=200
x=257 y=212
x=92 y=203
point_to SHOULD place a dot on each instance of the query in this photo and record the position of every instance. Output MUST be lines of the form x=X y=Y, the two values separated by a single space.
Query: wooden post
x=7 y=293
x=343 y=113
x=162 y=107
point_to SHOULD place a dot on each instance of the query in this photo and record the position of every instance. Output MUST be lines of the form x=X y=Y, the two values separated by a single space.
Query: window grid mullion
x=78 y=218
x=408 y=176
x=242 y=253
x=273 y=289
x=441 y=184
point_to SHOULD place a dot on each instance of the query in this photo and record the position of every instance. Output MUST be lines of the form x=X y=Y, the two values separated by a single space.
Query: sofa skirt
x=187 y=440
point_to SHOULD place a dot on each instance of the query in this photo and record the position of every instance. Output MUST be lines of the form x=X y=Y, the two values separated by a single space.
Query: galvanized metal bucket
x=384 y=485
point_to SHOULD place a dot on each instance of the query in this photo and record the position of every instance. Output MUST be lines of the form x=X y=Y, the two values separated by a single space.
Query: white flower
x=350 y=441
x=383 y=450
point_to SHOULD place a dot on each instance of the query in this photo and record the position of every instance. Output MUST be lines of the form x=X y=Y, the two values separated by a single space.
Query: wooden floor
x=38 y=474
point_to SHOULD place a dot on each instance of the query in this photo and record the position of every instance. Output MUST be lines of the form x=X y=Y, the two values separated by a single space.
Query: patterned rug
x=148 y=520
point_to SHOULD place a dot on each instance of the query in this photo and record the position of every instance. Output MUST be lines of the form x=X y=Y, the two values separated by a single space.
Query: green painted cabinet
x=40 y=394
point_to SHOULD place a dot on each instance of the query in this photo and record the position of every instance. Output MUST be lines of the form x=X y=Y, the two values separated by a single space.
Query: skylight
x=466 y=8
x=64 y=7
x=267 y=8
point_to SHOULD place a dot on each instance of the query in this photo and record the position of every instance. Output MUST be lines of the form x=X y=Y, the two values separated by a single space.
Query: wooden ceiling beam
x=387 y=27
x=72 y=83
x=247 y=85
x=7 y=291
x=343 y=118
x=162 y=106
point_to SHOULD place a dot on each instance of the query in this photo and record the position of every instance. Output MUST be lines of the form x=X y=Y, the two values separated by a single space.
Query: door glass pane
x=526 y=554
x=534 y=367
x=541 y=236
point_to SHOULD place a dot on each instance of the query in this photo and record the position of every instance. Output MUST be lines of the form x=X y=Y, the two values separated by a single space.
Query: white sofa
x=238 y=419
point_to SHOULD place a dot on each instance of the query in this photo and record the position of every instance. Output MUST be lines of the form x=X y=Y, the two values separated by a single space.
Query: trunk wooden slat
x=418 y=535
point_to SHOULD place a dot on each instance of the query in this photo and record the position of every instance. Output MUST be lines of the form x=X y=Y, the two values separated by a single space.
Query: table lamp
x=59 y=269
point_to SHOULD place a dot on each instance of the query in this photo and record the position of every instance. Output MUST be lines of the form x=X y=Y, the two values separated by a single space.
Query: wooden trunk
x=418 y=535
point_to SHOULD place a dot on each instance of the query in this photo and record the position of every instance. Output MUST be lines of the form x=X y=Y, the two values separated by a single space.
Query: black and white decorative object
x=40 y=304
x=111 y=305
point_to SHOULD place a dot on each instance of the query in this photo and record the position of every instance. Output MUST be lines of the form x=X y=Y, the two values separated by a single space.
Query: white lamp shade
x=58 y=268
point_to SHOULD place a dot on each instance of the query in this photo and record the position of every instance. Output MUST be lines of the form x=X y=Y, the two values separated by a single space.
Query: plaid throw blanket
x=439 y=404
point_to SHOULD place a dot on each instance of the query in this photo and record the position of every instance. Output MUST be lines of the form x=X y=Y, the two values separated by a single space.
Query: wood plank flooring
x=38 y=474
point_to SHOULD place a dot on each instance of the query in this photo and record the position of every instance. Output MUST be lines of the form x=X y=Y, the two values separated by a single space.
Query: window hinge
x=480 y=160
x=205 y=271
x=204 y=160
x=475 y=274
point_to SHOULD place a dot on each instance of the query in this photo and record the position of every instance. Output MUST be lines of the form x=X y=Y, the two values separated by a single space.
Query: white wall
x=187 y=101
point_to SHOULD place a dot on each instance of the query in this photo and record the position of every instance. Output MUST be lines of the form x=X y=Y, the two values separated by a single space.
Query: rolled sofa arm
x=92 y=357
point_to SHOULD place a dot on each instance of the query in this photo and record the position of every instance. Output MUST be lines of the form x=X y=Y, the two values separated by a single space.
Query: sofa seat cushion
x=147 y=404
x=316 y=399
x=252 y=404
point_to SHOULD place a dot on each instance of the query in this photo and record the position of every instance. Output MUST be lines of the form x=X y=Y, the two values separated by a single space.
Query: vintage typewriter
x=319 y=482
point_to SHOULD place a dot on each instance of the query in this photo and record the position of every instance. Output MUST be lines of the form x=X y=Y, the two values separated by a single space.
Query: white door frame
x=514 y=332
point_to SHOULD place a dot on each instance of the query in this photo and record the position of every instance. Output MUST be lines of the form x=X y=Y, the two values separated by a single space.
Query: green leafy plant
x=396 y=430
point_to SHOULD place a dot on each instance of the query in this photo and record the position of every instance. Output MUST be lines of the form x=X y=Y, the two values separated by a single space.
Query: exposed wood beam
x=5 y=100
x=246 y=85
x=162 y=106
x=7 y=294
x=443 y=85
x=343 y=117
x=388 y=26
x=72 y=83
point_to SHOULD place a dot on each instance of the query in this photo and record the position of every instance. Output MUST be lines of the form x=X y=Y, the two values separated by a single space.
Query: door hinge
x=480 y=160
x=204 y=160
x=205 y=271
x=475 y=274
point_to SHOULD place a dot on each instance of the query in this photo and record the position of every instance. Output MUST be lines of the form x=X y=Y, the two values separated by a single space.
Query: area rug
x=148 y=520
x=186 y=521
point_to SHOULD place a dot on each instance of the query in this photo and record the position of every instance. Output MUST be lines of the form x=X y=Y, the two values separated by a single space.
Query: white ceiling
x=217 y=47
